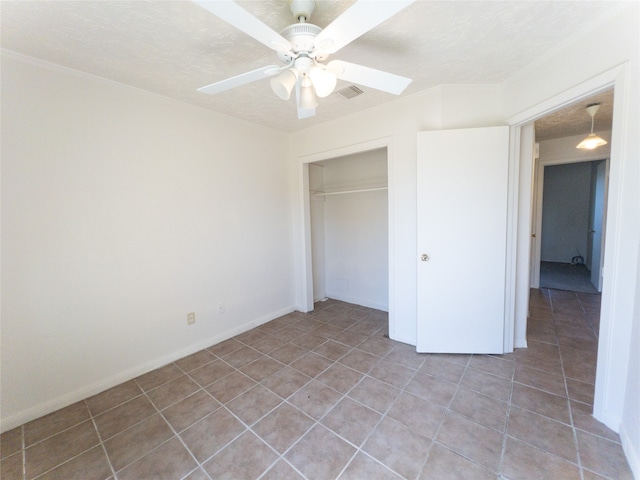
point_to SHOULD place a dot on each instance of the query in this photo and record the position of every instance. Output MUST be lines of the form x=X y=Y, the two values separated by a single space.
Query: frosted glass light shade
x=308 y=97
x=284 y=83
x=323 y=81
x=591 y=141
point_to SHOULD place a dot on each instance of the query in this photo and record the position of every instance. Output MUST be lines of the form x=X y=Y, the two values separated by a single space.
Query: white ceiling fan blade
x=235 y=15
x=370 y=77
x=241 y=79
x=306 y=113
x=303 y=112
x=357 y=20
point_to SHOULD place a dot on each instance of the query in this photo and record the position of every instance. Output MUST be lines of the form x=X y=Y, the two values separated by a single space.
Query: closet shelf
x=355 y=190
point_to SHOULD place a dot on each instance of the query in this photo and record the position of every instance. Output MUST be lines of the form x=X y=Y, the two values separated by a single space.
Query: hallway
x=562 y=339
x=566 y=276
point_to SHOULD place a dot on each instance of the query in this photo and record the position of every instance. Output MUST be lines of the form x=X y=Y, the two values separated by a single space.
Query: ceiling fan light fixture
x=592 y=140
x=283 y=84
x=304 y=47
x=324 y=82
x=307 y=95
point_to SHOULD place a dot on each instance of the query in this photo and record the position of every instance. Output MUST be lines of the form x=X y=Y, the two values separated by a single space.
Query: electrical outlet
x=191 y=318
x=220 y=307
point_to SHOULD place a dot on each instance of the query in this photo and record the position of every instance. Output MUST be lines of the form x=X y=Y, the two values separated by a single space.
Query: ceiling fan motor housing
x=302 y=8
x=301 y=37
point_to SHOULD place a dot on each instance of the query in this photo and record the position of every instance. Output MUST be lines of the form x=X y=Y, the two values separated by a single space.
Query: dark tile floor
x=327 y=395
x=566 y=276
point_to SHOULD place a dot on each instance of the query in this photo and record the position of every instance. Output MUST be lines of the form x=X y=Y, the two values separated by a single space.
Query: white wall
x=356 y=230
x=630 y=425
x=565 y=212
x=465 y=106
x=123 y=211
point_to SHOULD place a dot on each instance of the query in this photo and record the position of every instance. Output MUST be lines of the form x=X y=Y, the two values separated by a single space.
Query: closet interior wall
x=349 y=229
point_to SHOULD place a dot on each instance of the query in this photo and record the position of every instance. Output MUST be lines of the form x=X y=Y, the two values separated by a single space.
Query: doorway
x=572 y=225
x=305 y=164
x=607 y=360
x=570 y=192
x=349 y=229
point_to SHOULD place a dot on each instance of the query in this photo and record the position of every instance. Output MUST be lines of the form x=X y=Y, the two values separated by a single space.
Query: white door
x=462 y=180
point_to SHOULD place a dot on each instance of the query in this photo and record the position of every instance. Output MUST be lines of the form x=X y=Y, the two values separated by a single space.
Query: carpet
x=566 y=276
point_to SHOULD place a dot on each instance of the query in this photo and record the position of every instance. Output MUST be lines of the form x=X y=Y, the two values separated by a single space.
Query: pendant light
x=592 y=140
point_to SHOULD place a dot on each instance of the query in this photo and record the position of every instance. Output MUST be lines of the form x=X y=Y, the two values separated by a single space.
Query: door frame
x=593 y=215
x=307 y=269
x=538 y=194
x=613 y=345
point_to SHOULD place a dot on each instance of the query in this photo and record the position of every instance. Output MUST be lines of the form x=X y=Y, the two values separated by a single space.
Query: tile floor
x=327 y=395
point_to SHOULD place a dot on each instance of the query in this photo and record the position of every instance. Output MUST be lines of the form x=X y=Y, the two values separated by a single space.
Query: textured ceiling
x=173 y=47
x=574 y=119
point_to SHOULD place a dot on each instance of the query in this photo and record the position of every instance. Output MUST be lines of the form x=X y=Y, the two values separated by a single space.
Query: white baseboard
x=411 y=342
x=359 y=301
x=519 y=344
x=70 y=398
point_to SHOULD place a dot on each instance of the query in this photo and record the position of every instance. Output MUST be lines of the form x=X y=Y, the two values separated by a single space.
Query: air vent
x=350 y=92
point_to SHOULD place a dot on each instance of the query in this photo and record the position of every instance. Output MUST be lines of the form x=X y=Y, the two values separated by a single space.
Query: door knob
x=424 y=257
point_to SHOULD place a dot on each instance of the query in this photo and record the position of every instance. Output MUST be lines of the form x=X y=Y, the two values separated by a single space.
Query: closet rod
x=322 y=194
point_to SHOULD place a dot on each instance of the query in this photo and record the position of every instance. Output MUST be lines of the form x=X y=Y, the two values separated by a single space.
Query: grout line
x=315 y=422
x=446 y=411
x=358 y=449
x=40 y=475
x=104 y=448
x=23 y=441
x=99 y=444
x=566 y=387
x=175 y=434
x=342 y=397
x=249 y=428
x=58 y=432
x=281 y=456
x=199 y=464
x=505 y=435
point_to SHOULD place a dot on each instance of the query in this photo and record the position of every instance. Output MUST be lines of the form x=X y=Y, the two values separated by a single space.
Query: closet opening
x=349 y=227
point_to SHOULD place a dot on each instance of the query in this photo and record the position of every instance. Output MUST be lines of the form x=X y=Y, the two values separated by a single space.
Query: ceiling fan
x=303 y=49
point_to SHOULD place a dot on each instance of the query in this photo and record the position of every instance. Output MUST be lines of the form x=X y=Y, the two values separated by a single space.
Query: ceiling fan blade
x=235 y=15
x=303 y=112
x=306 y=113
x=357 y=20
x=370 y=77
x=242 y=79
